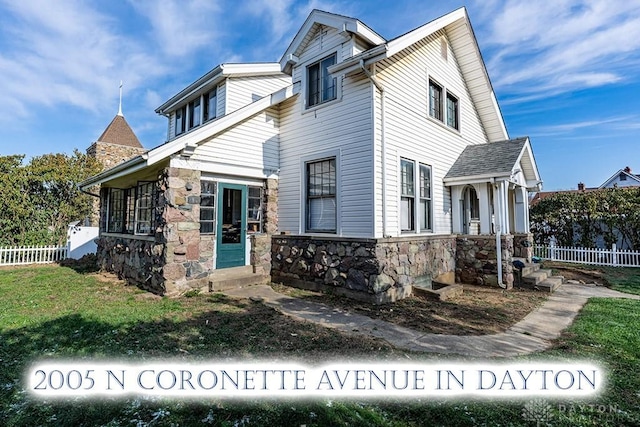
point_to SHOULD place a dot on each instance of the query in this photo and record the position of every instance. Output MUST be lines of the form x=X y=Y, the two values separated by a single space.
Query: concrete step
x=529 y=267
x=536 y=277
x=236 y=277
x=550 y=284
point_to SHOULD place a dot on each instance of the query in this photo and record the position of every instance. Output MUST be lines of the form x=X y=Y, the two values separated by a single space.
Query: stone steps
x=535 y=277
x=236 y=277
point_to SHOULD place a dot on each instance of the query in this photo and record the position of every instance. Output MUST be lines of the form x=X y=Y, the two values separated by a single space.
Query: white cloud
x=560 y=46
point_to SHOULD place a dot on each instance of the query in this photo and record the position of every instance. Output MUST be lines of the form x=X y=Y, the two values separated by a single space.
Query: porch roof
x=495 y=160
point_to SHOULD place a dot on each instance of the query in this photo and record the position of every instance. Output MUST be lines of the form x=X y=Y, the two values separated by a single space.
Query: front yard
x=55 y=312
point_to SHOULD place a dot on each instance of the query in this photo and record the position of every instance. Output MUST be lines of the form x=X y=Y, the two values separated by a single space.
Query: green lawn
x=54 y=312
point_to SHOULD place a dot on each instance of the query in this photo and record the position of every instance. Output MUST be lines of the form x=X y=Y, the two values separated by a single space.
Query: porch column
x=456 y=211
x=485 y=208
x=500 y=203
x=521 y=210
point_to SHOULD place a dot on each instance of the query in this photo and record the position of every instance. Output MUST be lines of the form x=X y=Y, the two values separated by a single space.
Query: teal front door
x=232 y=225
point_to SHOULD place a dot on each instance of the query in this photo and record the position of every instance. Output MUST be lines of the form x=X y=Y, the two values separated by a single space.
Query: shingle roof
x=119 y=132
x=495 y=158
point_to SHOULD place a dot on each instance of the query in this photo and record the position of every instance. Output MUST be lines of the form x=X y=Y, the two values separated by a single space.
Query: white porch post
x=456 y=212
x=521 y=211
x=485 y=208
x=501 y=207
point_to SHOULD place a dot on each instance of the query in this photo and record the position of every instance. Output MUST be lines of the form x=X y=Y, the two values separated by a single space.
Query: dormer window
x=321 y=86
x=181 y=120
x=194 y=113
x=210 y=105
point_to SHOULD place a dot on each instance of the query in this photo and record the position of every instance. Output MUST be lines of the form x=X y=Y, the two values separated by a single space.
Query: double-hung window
x=207 y=207
x=321 y=86
x=452 y=111
x=425 y=197
x=407 y=195
x=321 y=196
x=415 y=192
x=116 y=210
x=435 y=100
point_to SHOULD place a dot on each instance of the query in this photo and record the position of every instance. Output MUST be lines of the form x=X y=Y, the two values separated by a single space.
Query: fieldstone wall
x=189 y=258
x=476 y=260
x=523 y=245
x=372 y=270
x=138 y=261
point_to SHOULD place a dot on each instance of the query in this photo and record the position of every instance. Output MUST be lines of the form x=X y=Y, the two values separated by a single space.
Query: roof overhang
x=188 y=142
x=458 y=26
x=523 y=171
x=345 y=24
x=215 y=77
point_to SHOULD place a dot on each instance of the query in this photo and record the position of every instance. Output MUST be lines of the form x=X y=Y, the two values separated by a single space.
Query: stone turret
x=116 y=145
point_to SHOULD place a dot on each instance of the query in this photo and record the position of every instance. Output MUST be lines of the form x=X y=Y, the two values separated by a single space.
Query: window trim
x=410 y=196
x=337 y=86
x=261 y=207
x=416 y=197
x=440 y=111
x=445 y=94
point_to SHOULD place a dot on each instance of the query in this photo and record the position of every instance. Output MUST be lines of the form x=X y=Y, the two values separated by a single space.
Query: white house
x=622 y=178
x=356 y=163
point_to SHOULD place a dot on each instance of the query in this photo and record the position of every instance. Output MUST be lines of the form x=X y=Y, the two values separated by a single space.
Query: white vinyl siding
x=411 y=133
x=251 y=145
x=343 y=126
x=242 y=91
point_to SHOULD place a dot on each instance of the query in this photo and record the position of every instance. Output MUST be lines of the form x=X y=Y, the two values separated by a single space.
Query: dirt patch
x=582 y=275
x=478 y=311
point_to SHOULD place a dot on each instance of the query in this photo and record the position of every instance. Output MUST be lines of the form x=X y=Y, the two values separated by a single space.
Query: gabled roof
x=495 y=160
x=317 y=18
x=215 y=76
x=120 y=133
x=188 y=142
x=462 y=40
x=627 y=172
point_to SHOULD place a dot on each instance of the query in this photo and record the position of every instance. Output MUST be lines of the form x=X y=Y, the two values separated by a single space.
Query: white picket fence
x=33 y=255
x=611 y=257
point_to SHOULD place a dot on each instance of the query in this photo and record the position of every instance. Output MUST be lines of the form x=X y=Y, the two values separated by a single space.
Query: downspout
x=499 y=233
x=377 y=84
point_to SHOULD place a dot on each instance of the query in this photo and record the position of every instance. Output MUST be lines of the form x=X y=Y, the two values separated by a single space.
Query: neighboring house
x=622 y=178
x=356 y=164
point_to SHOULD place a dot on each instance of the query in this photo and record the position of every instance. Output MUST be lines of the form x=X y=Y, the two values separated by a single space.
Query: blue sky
x=566 y=72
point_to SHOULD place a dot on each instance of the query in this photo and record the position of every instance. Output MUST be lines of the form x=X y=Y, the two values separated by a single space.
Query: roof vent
x=444 y=48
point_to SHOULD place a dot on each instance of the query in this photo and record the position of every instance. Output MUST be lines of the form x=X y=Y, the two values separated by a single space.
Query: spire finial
x=120 y=107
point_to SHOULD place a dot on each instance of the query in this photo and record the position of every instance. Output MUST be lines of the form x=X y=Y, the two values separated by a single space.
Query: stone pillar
x=185 y=268
x=271 y=208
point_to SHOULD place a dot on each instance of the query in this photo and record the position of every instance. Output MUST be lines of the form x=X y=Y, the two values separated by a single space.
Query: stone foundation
x=476 y=260
x=138 y=261
x=372 y=270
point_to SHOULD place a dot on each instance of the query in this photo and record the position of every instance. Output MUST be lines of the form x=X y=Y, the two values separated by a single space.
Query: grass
x=54 y=312
x=618 y=278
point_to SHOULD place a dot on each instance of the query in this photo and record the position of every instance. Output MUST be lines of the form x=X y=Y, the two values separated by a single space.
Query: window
x=207 y=207
x=452 y=111
x=321 y=86
x=321 y=195
x=115 y=214
x=623 y=177
x=474 y=204
x=210 y=101
x=180 y=120
x=144 y=208
x=425 y=197
x=254 y=210
x=435 y=100
x=194 y=113
x=131 y=210
x=407 y=195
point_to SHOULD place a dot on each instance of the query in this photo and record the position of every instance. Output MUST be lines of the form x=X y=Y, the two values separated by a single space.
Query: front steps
x=534 y=277
x=226 y=279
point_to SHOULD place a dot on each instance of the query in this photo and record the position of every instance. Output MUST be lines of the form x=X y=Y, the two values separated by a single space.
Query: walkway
x=533 y=333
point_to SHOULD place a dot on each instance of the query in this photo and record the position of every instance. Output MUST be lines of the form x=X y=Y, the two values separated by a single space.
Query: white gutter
x=383 y=149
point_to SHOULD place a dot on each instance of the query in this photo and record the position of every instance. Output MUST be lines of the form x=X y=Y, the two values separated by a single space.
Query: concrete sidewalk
x=533 y=333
